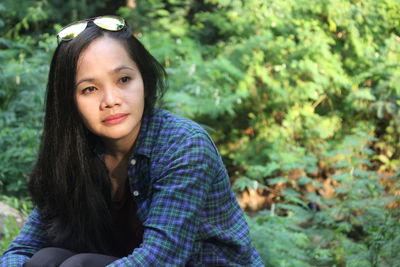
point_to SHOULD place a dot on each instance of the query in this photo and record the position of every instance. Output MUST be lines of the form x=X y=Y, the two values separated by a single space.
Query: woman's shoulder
x=179 y=137
x=166 y=131
x=171 y=124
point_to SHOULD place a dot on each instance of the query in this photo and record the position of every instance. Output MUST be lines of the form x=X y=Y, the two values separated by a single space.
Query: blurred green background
x=302 y=97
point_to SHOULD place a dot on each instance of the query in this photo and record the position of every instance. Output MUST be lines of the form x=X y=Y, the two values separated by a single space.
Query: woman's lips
x=115 y=118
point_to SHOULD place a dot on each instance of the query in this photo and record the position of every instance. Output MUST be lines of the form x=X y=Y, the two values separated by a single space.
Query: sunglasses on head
x=110 y=23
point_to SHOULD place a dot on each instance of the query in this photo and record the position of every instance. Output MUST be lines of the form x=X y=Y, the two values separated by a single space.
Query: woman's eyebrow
x=118 y=69
x=84 y=80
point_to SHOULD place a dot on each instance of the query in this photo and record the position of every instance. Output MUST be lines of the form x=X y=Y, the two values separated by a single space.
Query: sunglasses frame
x=117 y=19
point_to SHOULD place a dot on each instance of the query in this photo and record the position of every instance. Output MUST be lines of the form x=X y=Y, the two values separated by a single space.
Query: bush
x=22 y=82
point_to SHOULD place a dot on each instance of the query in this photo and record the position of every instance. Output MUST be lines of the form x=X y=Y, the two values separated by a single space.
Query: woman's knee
x=88 y=259
x=49 y=257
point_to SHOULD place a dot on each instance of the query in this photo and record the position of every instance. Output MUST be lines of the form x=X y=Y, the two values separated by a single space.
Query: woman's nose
x=111 y=98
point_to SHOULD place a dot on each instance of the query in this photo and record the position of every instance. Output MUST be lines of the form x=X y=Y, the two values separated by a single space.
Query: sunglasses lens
x=110 y=23
x=71 y=31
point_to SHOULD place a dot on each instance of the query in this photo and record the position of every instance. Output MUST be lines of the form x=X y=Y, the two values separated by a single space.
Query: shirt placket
x=137 y=185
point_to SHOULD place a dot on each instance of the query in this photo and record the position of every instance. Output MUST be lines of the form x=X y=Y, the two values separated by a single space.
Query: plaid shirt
x=189 y=212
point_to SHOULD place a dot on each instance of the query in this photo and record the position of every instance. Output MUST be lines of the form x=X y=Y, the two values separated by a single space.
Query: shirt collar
x=145 y=140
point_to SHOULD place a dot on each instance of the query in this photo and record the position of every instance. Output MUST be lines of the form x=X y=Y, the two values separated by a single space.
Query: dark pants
x=54 y=257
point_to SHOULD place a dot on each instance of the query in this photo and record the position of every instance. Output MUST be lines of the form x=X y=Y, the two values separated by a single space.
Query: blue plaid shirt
x=181 y=187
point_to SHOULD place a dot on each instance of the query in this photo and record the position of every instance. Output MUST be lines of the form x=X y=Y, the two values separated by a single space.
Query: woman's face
x=109 y=91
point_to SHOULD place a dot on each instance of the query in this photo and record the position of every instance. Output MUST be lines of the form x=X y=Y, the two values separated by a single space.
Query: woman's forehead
x=105 y=53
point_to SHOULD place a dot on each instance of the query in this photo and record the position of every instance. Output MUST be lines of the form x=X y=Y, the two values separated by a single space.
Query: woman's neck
x=116 y=157
x=118 y=149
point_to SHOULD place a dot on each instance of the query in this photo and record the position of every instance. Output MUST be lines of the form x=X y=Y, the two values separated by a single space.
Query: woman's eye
x=125 y=79
x=88 y=90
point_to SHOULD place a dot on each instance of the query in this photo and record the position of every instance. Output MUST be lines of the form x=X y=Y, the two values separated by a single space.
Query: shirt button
x=135 y=193
x=133 y=161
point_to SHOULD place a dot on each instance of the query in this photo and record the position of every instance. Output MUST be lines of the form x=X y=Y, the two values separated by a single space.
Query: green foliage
x=10 y=226
x=279 y=241
x=353 y=228
x=24 y=204
x=33 y=17
x=22 y=83
x=10 y=231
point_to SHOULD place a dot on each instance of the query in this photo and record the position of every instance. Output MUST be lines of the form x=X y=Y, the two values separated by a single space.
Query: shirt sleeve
x=27 y=243
x=179 y=194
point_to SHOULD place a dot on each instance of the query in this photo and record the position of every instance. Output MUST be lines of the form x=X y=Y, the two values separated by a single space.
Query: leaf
x=277 y=180
x=243 y=183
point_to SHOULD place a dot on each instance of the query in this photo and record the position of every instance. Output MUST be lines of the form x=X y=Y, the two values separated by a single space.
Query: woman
x=117 y=181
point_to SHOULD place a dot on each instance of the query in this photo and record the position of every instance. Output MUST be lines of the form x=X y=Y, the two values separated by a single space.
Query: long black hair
x=69 y=183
